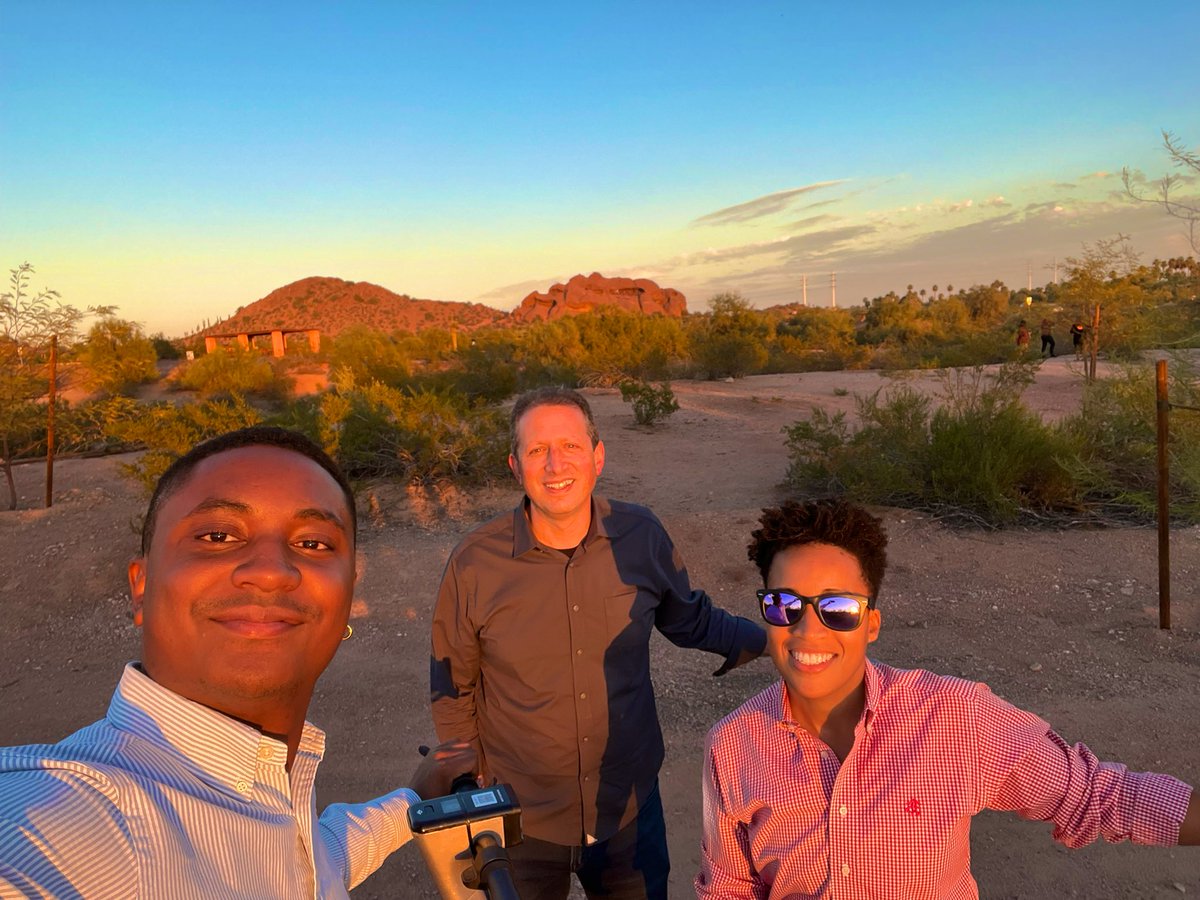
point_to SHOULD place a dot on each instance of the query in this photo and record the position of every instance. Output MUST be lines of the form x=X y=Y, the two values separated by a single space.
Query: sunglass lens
x=840 y=613
x=774 y=607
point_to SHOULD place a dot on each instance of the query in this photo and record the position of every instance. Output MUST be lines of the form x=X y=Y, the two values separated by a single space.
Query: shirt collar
x=524 y=541
x=782 y=715
x=220 y=749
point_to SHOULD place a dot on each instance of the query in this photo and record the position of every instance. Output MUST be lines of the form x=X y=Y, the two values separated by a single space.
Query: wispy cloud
x=997 y=202
x=960 y=206
x=1094 y=175
x=816 y=243
x=801 y=224
x=761 y=206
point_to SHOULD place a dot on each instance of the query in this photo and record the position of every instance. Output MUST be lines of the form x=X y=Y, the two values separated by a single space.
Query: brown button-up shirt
x=543 y=660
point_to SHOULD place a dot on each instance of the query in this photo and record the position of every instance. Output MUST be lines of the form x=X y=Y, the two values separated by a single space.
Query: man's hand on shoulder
x=444 y=763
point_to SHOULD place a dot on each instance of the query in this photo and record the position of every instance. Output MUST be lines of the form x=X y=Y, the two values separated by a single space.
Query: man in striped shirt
x=852 y=779
x=199 y=780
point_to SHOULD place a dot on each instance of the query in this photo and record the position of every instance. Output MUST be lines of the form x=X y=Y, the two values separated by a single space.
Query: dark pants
x=1048 y=341
x=631 y=865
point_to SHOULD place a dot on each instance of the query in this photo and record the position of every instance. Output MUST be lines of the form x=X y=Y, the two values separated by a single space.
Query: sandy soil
x=1060 y=622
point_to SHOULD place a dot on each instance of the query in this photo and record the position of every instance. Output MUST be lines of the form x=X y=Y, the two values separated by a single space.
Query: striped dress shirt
x=167 y=798
x=783 y=818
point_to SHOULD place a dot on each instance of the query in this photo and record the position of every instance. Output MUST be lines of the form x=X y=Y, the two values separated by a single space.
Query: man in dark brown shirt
x=541 y=658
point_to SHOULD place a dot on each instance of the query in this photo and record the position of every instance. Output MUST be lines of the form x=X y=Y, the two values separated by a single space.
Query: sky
x=180 y=160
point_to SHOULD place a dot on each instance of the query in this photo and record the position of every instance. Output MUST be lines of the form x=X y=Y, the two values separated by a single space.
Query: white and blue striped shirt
x=167 y=798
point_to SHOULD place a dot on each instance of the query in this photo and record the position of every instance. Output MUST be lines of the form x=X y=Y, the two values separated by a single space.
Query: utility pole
x=1029 y=276
x=804 y=288
x=833 y=289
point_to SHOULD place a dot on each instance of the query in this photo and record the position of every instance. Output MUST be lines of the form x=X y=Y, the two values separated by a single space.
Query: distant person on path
x=541 y=658
x=1077 y=332
x=849 y=778
x=1047 y=337
x=1022 y=336
x=199 y=780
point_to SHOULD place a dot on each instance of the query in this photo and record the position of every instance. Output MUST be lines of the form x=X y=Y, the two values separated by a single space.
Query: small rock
x=1035 y=667
x=1179 y=887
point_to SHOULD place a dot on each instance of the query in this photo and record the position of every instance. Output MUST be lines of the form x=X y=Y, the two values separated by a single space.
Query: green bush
x=379 y=431
x=168 y=431
x=981 y=455
x=371 y=355
x=230 y=372
x=1116 y=431
x=118 y=356
x=650 y=404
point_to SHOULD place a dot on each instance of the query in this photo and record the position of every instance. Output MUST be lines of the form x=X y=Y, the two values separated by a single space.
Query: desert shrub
x=230 y=372
x=602 y=348
x=980 y=455
x=650 y=404
x=376 y=431
x=163 y=348
x=93 y=426
x=117 y=356
x=731 y=341
x=370 y=354
x=168 y=431
x=1117 y=435
x=485 y=372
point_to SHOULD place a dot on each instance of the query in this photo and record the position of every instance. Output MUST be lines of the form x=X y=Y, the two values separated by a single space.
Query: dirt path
x=1063 y=623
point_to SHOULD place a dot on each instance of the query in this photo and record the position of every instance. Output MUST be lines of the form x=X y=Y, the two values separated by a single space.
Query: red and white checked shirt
x=784 y=819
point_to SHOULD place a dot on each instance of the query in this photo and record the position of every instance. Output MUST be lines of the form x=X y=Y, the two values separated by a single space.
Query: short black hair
x=832 y=521
x=553 y=395
x=254 y=436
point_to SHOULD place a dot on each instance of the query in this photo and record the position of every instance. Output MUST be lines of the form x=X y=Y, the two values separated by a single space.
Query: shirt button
x=583 y=695
x=586 y=739
x=841 y=811
x=845 y=869
x=575 y=607
x=242 y=787
x=265 y=753
x=579 y=653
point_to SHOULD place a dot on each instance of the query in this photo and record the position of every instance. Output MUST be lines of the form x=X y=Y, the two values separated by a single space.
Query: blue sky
x=181 y=160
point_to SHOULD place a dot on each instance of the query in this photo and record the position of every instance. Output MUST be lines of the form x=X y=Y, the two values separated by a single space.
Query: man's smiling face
x=556 y=465
x=244 y=592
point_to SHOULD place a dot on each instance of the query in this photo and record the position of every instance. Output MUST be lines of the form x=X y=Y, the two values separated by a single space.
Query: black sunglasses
x=837 y=610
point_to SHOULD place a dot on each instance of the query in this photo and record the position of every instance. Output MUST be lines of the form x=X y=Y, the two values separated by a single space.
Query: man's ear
x=874 y=620
x=514 y=467
x=598 y=452
x=137 y=587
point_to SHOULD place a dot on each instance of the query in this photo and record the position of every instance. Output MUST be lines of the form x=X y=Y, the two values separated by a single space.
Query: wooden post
x=50 y=421
x=1164 y=512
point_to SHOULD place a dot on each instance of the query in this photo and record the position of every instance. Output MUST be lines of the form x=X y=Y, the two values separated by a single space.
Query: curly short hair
x=829 y=521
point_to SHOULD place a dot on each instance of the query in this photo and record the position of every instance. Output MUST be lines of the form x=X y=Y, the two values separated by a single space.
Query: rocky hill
x=583 y=294
x=332 y=305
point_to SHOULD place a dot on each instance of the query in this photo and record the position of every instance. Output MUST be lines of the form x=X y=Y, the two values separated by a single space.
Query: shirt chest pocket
x=629 y=616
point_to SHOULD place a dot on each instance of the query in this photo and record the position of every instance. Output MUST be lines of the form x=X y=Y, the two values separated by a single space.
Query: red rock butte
x=587 y=293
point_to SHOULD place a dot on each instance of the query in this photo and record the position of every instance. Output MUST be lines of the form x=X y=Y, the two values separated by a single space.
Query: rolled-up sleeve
x=689 y=618
x=1026 y=768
